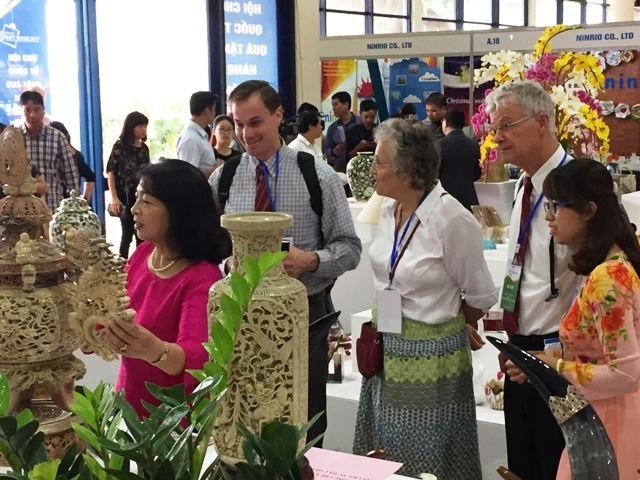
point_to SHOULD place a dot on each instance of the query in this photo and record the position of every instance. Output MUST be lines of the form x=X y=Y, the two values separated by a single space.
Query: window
x=143 y=66
x=359 y=17
x=569 y=12
x=478 y=11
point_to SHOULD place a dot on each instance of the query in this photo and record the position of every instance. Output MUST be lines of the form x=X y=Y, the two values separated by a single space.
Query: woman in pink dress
x=600 y=333
x=168 y=280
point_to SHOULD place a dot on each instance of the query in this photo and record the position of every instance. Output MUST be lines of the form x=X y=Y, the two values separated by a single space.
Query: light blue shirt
x=193 y=147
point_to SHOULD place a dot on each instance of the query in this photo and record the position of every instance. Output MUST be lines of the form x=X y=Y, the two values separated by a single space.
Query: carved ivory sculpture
x=268 y=373
x=48 y=306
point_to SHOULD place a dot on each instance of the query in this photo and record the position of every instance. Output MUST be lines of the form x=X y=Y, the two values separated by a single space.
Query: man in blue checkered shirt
x=48 y=150
x=322 y=248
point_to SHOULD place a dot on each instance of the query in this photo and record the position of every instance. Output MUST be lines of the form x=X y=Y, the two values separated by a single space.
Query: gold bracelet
x=559 y=365
x=163 y=356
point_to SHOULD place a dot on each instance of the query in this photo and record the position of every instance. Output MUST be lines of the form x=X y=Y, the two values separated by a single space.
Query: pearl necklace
x=151 y=259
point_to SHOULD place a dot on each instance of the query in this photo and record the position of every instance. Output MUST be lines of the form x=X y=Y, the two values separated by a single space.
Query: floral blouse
x=126 y=162
x=601 y=331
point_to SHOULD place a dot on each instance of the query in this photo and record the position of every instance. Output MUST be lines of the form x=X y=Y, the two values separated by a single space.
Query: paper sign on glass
x=389 y=311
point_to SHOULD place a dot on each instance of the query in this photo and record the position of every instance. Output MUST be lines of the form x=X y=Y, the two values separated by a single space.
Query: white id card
x=389 y=311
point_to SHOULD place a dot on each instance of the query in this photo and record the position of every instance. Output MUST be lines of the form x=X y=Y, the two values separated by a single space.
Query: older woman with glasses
x=600 y=333
x=432 y=284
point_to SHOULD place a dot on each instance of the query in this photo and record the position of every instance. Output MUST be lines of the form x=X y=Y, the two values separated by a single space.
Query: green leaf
x=233 y=313
x=283 y=438
x=24 y=434
x=94 y=467
x=83 y=408
x=67 y=461
x=122 y=475
x=86 y=436
x=5 y=395
x=240 y=288
x=25 y=416
x=247 y=472
x=8 y=425
x=172 y=396
x=302 y=432
x=165 y=472
x=223 y=344
x=34 y=451
x=269 y=260
x=45 y=470
x=251 y=270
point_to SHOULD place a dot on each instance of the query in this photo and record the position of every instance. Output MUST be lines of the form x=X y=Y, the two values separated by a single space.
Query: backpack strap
x=306 y=164
x=226 y=179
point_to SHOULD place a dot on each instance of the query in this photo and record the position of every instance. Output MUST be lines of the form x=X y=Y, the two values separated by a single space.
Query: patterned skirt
x=421 y=409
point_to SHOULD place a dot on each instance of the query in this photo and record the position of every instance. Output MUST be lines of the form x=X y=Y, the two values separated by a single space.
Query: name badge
x=510 y=287
x=389 y=311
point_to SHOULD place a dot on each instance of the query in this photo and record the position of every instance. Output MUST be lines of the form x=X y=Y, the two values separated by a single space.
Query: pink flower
x=500 y=375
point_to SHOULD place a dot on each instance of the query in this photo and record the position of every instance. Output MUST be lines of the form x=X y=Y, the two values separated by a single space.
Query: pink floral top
x=600 y=333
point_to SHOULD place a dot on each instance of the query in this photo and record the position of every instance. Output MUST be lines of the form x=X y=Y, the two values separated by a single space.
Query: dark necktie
x=510 y=319
x=262 y=202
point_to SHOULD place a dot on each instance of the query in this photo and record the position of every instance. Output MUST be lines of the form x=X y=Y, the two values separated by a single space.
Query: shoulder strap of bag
x=306 y=164
x=226 y=179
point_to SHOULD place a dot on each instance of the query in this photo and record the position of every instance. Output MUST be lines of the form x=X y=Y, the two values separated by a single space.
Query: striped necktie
x=262 y=202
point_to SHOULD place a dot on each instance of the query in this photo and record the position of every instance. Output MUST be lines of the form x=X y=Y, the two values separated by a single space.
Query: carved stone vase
x=361 y=181
x=73 y=212
x=268 y=372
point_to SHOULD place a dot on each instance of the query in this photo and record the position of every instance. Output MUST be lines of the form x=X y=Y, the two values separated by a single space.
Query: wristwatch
x=163 y=356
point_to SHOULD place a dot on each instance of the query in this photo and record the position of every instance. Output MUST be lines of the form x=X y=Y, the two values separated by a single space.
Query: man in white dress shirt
x=193 y=143
x=523 y=119
x=310 y=127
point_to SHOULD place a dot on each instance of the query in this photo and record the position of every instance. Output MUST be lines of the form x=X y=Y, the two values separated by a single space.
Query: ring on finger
x=123 y=348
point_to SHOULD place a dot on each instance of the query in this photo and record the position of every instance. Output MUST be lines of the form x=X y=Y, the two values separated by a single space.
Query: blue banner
x=412 y=81
x=251 y=42
x=23 y=54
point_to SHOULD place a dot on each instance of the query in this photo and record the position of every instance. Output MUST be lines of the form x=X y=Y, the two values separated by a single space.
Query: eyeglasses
x=377 y=163
x=225 y=130
x=506 y=127
x=552 y=206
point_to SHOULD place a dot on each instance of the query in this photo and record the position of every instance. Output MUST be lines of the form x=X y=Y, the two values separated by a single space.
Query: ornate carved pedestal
x=49 y=306
x=268 y=374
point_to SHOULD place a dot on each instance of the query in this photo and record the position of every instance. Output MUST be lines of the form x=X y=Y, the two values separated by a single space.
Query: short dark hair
x=267 y=93
x=579 y=182
x=407 y=109
x=307 y=107
x=132 y=121
x=201 y=100
x=454 y=118
x=223 y=118
x=436 y=99
x=307 y=119
x=61 y=128
x=31 y=96
x=342 y=97
x=368 y=104
x=194 y=220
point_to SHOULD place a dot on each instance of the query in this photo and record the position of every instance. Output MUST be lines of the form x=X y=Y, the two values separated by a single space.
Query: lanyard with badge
x=389 y=300
x=511 y=283
x=273 y=196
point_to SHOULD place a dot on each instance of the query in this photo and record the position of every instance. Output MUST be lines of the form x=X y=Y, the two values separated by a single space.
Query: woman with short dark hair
x=600 y=333
x=168 y=280
x=432 y=285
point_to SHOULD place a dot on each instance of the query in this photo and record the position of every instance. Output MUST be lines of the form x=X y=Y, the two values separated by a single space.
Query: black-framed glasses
x=552 y=206
x=506 y=127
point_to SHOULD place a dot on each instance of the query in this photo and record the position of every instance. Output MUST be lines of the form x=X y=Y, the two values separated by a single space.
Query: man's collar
x=556 y=158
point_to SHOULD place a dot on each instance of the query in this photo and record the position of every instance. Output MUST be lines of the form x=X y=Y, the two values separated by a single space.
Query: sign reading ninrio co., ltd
x=604 y=37
x=404 y=46
x=251 y=42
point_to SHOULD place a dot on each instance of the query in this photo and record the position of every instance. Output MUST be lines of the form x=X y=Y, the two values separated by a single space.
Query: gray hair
x=528 y=94
x=415 y=155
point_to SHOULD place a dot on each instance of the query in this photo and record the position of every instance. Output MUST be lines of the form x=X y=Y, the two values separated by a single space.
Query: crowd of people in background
x=571 y=247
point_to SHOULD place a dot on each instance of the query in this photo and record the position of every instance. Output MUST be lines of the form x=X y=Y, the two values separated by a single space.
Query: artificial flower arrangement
x=494 y=390
x=572 y=79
